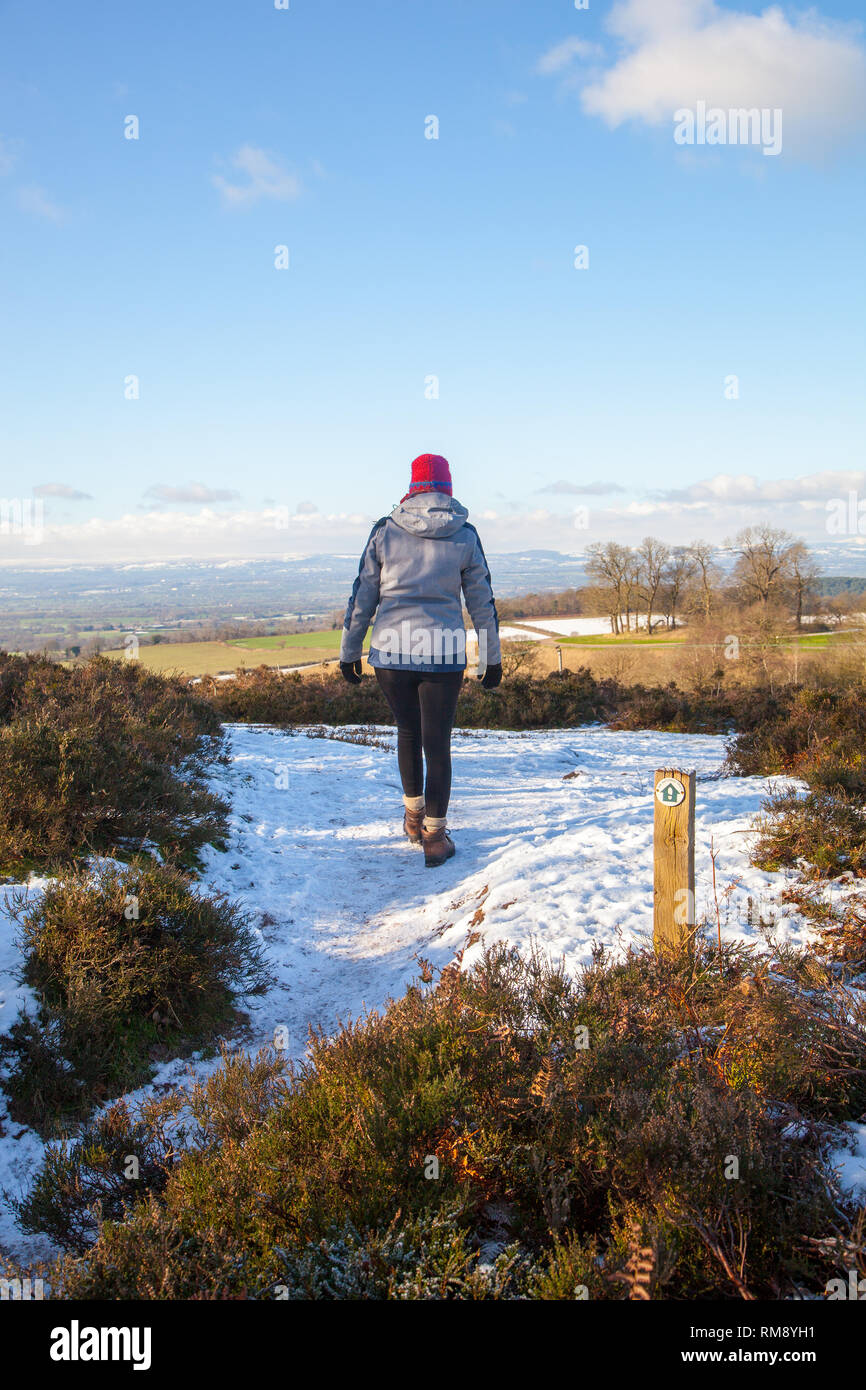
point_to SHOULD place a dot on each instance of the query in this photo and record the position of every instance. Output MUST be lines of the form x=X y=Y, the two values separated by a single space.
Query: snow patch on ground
x=582 y=627
x=510 y=634
x=554 y=838
x=850 y=1162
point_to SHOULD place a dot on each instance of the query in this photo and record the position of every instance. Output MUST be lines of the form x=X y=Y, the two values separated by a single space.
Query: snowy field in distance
x=540 y=629
x=508 y=633
x=574 y=627
x=585 y=627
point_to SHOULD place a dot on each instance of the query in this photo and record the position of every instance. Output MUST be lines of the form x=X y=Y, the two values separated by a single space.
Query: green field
x=823 y=639
x=628 y=639
x=808 y=641
x=304 y=648
x=284 y=641
x=211 y=658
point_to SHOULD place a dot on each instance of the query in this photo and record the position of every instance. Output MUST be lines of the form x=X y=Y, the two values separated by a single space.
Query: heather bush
x=838 y=924
x=473 y=1141
x=560 y=700
x=818 y=736
x=128 y=963
x=807 y=732
x=823 y=832
x=103 y=757
x=90 y=1180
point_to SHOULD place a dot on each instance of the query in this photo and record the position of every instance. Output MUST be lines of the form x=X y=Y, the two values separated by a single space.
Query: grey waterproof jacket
x=415 y=564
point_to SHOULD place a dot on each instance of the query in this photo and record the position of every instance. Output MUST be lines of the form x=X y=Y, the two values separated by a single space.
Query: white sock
x=435 y=822
x=413 y=803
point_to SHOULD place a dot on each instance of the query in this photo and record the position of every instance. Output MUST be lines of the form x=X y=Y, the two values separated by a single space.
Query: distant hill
x=39 y=600
x=832 y=584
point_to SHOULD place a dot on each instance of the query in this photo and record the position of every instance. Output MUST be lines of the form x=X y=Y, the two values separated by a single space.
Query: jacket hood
x=430 y=514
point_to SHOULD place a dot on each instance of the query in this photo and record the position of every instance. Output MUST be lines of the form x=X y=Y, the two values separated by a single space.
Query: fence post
x=674 y=858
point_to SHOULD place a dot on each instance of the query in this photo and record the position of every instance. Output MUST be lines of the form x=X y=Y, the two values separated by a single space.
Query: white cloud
x=35 y=200
x=191 y=492
x=713 y=508
x=562 y=55
x=264 y=177
x=634 y=19
x=676 y=53
x=72 y=494
x=204 y=534
x=733 y=489
x=564 y=489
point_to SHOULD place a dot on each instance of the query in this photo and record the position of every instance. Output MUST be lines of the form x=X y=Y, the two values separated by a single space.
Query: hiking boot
x=413 y=822
x=438 y=846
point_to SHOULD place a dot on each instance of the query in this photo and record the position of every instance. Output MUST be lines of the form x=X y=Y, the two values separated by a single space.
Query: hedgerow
x=561 y=700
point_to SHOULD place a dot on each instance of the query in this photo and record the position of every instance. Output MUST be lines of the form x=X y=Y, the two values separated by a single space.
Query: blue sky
x=279 y=409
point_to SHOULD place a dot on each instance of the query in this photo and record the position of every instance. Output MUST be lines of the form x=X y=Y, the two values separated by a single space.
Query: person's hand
x=351 y=671
x=492 y=677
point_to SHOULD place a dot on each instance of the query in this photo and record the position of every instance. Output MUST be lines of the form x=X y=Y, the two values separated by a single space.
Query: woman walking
x=415 y=565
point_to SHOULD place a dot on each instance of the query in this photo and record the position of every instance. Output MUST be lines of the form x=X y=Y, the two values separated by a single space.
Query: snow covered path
x=554 y=836
x=554 y=840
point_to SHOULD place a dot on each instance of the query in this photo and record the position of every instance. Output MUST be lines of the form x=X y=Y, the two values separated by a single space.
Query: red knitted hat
x=430 y=473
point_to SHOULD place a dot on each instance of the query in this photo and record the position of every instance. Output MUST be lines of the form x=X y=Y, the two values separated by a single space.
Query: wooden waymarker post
x=674 y=858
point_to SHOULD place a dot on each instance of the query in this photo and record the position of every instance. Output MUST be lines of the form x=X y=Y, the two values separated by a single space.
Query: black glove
x=492 y=677
x=351 y=672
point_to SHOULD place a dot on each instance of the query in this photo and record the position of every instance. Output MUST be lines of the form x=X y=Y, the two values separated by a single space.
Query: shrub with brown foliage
x=128 y=963
x=104 y=757
x=819 y=736
x=560 y=700
x=598 y=1117
x=264 y=696
x=823 y=832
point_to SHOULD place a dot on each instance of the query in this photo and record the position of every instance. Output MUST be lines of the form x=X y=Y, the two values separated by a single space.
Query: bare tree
x=631 y=587
x=703 y=556
x=611 y=565
x=653 y=557
x=804 y=577
x=838 y=608
x=763 y=566
x=680 y=571
x=597 y=600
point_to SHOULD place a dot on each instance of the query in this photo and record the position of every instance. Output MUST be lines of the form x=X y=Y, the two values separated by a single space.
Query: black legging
x=423 y=703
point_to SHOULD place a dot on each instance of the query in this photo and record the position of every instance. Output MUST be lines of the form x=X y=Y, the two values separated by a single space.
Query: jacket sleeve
x=363 y=600
x=478 y=592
